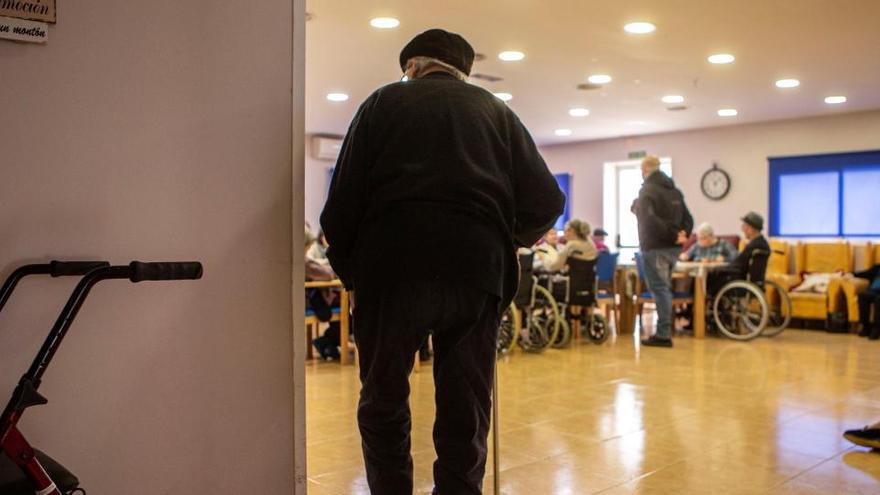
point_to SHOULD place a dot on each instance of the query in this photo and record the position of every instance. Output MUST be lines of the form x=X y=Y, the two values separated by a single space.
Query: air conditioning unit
x=326 y=148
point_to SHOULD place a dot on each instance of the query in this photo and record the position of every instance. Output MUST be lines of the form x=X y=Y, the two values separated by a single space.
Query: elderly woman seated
x=322 y=302
x=578 y=245
x=709 y=248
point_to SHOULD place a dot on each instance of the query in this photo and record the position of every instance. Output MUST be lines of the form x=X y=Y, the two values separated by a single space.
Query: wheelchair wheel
x=563 y=338
x=543 y=322
x=596 y=329
x=780 y=309
x=741 y=311
x=508 y=330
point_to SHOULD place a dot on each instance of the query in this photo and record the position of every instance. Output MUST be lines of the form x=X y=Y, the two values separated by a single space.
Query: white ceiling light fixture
x=384 y=23
x=337 y=97
x=511 y=56
x=721 y=59
x=673 y=99
x=563 y=132
x=579 y=112
x=639 y=28
x=835 y=100
x=787 y=83
x=503 y=96
x=727 y=112
x=599 y=79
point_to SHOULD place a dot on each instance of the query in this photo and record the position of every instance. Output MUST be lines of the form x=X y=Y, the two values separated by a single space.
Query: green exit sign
x=634 y=155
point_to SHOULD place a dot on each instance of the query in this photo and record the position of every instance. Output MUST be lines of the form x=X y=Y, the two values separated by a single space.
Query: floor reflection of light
x=626 y=418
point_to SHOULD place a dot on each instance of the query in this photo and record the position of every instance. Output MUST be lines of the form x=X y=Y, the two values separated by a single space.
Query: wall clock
x=715 y=183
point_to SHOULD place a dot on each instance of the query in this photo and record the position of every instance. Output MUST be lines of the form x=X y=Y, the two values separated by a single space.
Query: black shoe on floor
x=865 y=331
x=654 y=341
x=866 y=437
x=875 y=333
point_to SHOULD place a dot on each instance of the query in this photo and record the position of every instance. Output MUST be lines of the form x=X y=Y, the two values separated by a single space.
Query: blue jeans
x=658 y=266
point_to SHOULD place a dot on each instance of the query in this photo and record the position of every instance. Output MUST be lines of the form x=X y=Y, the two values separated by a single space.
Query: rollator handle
x=181 y=270
x=74 y=268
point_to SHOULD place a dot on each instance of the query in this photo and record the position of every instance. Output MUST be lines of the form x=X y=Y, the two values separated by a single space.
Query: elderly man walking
x=428 y=166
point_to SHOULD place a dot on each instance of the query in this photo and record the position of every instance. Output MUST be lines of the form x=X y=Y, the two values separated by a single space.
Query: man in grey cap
x=428 y=166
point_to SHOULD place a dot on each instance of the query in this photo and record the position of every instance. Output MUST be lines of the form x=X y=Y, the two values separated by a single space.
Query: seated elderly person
x=578 y=245
x=599 y=236
x=709 y=248
x=322 y=302
x=547 y=250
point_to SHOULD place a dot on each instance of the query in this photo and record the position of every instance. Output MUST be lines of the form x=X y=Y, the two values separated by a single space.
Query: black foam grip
x=74 y=268
x=166 y=270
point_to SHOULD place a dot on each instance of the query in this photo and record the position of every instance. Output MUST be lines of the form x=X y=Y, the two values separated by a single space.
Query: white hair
x=705 y=230
x=421 y=64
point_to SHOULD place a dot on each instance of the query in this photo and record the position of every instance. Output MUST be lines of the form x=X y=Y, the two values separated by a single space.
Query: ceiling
x=831 y=46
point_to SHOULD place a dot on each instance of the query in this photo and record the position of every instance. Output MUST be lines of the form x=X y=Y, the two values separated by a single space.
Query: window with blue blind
x=564 y=181
x=834 y=195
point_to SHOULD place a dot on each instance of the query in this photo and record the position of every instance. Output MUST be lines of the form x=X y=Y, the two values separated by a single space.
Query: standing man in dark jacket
x=428 y=166
x=664 y=224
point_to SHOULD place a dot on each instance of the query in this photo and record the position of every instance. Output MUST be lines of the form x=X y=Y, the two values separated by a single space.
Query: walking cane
x=496 y=444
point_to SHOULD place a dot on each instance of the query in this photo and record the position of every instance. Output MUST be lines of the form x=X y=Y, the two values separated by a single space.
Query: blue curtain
x=564 y=181
x=832 y=195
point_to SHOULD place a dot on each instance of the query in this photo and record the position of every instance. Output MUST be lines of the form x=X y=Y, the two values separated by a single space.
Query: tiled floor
x=707 y=417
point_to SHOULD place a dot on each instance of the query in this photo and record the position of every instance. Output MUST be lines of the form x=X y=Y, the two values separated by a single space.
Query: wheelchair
x=532 y=321
x=744 y=309
x=576 y=294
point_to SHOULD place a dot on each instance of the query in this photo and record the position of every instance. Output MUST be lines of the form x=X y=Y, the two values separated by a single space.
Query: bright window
x=831 y=195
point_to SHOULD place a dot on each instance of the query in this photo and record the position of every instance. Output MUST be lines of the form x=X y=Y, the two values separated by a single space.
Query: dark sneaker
x=654 y=341
x=875 y=333
x=866 y=437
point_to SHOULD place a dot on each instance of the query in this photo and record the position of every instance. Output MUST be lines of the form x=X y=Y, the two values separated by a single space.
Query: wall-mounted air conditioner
x=326 y=148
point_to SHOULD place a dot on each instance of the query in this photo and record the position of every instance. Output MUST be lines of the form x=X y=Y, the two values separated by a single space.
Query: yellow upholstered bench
x=818 y=257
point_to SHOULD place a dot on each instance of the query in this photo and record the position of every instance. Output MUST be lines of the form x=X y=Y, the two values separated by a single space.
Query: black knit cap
x=442 y=45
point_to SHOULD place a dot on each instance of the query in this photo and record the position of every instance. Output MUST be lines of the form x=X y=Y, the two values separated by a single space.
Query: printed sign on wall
x=34 y=10
x=22 y=30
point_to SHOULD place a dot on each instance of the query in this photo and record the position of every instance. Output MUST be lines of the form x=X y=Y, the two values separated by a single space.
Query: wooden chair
x=606 y=268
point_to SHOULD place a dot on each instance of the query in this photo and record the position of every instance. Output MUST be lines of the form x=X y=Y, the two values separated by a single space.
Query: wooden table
x=700 y=273
x=344 y=315
x=626 y=307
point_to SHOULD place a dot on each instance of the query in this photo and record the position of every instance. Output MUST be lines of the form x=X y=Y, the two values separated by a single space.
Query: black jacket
x=438 y=180
x=662 y=213
x=870 y=274
x=741 y=263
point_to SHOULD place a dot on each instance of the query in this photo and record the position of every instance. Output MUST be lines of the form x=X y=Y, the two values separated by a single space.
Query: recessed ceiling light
x=563 y=132
x=503 y=96
x=511 y=56
x=337 y=97
x=639 y=28
x=721 y=58
x=579 y=112
x=385 y=23
x=673 y=99
x=787 y=83
x=599 y=79
x=835 y=100
x=727 y=112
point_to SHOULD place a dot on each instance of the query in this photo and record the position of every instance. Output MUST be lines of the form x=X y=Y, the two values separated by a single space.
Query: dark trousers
x=866 y=300
x=391 y=323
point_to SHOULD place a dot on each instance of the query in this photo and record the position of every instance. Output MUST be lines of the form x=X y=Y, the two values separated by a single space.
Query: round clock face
x=716 y=184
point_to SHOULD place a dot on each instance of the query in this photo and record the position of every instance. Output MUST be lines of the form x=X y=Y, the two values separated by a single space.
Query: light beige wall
x=157 y=130
x=741 y=150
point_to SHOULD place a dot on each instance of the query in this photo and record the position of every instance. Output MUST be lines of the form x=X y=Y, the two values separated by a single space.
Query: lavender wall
x=157 y=130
